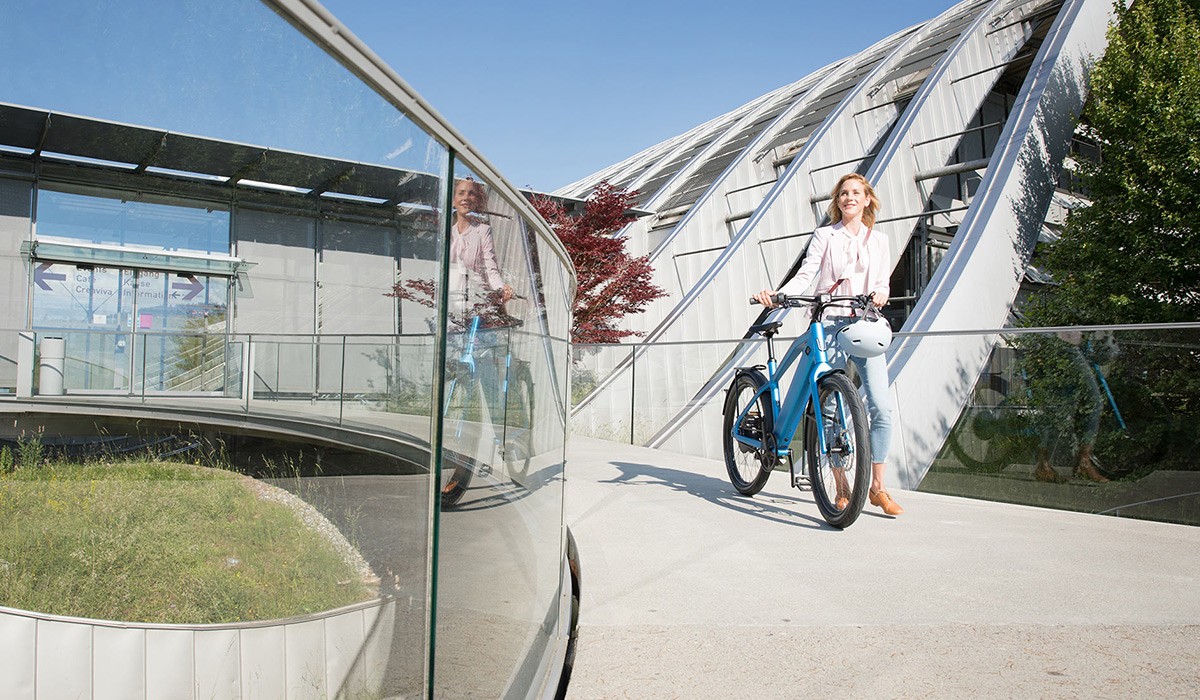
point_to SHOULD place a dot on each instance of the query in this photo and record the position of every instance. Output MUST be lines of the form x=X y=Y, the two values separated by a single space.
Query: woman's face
x=466 y=196
x=853 y=199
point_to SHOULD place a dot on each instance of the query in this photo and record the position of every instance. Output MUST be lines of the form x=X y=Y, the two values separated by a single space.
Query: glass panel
x=9 y=349
x=15 y=223
x=277 y=295
x=142 y=223
x=679 y=372
x=99 y=301
x=228 y=69
x=356 y=269
x=181 y=324
x=502 y=456
x=220 y=128
x=610 y=415
x=1088 y=420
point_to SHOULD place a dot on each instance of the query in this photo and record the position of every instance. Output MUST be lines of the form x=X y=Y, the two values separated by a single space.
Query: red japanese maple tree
x=611 y=283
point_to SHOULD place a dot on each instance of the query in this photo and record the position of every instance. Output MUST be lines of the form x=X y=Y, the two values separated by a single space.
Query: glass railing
x=1092 y=419
x=337 y=429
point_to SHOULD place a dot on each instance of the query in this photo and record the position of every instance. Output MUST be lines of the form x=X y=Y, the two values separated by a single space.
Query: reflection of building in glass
x=961 y=123
x=204 y=246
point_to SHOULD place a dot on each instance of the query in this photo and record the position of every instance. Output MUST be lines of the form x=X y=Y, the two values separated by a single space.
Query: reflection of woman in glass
x=472 y=251
x=1063 y=383
x=477 y=288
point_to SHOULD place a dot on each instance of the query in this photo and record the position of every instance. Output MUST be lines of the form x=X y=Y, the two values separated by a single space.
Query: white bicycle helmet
x=867 y=337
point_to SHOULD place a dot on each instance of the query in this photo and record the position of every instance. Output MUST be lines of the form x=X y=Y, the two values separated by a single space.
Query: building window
x=134 y=220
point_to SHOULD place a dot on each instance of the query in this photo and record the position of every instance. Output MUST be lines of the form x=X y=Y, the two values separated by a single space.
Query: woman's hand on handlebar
x=764 y=297
x=879 y=299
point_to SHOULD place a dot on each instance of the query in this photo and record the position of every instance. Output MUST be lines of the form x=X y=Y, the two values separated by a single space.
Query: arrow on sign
x=192 y=287
x=42 y=276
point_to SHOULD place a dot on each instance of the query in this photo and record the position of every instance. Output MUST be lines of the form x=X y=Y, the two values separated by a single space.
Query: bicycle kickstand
x=801 y=480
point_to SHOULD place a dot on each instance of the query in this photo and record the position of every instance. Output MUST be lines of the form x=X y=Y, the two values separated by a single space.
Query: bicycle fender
x=755 y=375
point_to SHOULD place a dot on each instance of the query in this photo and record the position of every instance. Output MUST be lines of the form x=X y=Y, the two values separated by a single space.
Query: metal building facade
x=961 y=123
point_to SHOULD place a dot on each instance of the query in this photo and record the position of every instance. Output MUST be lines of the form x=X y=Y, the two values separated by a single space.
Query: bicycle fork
x=830 y=434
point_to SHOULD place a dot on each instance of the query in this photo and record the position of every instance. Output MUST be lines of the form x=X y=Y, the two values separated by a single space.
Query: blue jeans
x=875 y=384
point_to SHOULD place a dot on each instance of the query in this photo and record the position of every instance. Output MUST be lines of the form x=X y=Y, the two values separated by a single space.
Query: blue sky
x=551 y=91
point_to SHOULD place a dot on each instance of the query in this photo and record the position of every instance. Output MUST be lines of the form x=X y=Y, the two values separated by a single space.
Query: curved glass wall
x=284 y=373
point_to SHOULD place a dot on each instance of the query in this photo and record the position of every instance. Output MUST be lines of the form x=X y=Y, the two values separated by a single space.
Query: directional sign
x=42 y=276
x=192 y=286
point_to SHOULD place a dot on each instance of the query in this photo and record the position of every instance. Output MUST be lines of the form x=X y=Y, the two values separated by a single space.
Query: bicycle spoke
x=840 y=468
x=748 y=466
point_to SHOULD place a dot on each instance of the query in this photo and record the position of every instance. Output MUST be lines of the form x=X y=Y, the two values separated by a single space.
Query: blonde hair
x=869 y=212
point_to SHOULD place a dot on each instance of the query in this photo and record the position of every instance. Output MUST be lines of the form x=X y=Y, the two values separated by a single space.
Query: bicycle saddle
x=767 y=329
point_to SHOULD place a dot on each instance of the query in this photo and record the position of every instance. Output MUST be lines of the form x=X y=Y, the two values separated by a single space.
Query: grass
x=148 y=541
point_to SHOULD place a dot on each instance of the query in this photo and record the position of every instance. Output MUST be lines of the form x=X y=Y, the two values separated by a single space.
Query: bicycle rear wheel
x=460 y=438
x=841 y=475
x=748 y=467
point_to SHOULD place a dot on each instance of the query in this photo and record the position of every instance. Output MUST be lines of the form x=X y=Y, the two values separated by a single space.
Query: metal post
x=342 y=387
x=632 y=392
x=50 y=366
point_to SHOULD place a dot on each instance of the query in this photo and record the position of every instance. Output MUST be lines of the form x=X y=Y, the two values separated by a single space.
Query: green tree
x=1133 y=254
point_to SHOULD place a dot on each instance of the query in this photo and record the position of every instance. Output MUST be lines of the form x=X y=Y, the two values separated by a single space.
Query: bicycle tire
x=459 y=438
x=978 y=439
x=518 y=451
x=748 y=468
x=849 y=458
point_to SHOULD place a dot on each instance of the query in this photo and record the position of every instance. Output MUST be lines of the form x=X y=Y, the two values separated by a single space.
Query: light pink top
x=475 y=251
x=840 y=263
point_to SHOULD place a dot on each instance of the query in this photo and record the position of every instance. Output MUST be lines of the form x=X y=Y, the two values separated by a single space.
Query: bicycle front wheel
x=748 y=466
x=460 y=439
x=841 y=472
x=518 y=429
x=982 y=439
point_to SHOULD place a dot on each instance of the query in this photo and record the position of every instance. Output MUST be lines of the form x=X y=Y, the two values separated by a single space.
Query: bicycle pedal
x=484 y=470
x=803 y=483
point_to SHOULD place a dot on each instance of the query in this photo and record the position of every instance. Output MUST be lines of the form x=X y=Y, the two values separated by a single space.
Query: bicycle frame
x=467 y=359
x=807 y=353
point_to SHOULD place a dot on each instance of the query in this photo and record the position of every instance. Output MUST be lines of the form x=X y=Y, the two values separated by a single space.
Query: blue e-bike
x=821 y=406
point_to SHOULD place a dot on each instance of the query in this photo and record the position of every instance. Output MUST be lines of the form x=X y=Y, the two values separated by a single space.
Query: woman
x=847 y=257
x=471 y=247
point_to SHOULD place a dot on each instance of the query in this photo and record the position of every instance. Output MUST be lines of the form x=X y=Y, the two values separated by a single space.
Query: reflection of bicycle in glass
x=823 y=402
x=509 y=403
x=992 y=428
x=1001 y=419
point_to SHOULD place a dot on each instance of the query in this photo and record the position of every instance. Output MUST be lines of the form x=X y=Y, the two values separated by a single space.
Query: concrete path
x=691 y=591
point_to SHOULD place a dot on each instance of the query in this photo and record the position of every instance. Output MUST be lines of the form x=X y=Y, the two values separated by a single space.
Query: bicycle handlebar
x=819 y=301
x=797 y=300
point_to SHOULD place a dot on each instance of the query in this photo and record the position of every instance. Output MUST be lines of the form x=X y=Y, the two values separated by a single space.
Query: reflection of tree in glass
x=1131 y=255
x=489 y=306
x=1061 y=378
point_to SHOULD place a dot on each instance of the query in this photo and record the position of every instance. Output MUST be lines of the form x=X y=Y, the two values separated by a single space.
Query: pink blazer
x=475 y=251
x=825 y=264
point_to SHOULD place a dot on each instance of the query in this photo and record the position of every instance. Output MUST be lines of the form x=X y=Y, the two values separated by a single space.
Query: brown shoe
x=1045 y=472
x=1089 y=472
x=843 y=491
x=883 y=500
